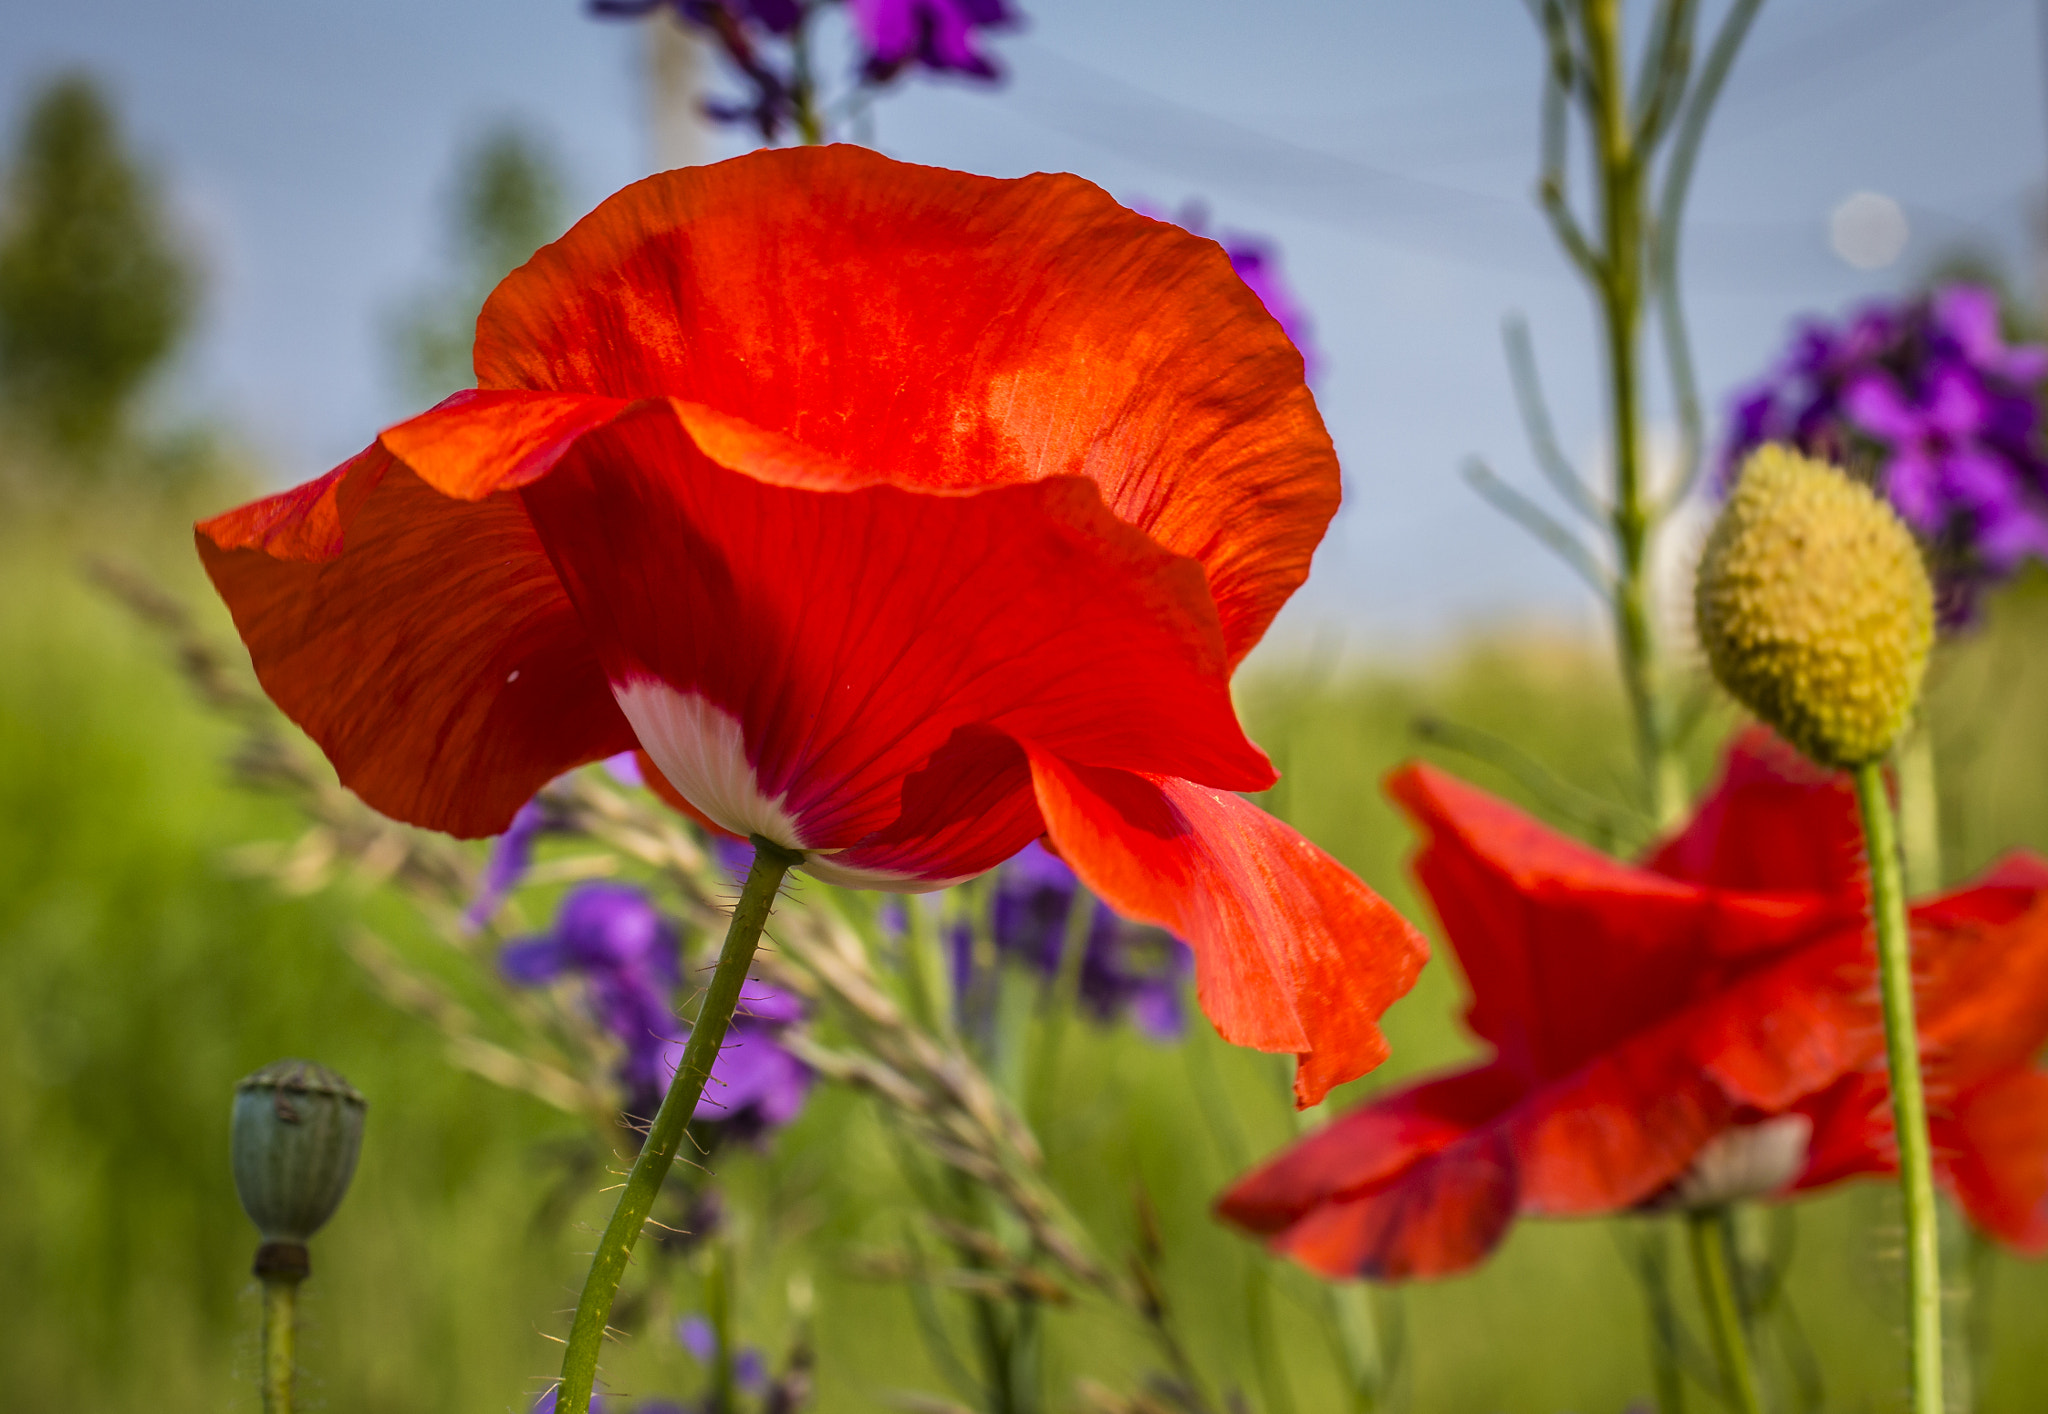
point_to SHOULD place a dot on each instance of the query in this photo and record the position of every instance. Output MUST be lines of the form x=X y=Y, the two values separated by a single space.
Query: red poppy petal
x=424 y=643
x=965 y=811
x=1292 y=952
x=1605 y=1139
x=306 y=522
x=1369 y=1145
x=2021 y=869
x=1781 y=1034
x=1441 y=1216
x=476 y=443
x=1773 y=821
x=1981 y=982
x=1568 y=951
x=1996 y=1152
x=1614 y=1134
x=848 y=636
x=1610 y=1135
x=1852 y=1130
x=957 y=331
x=1624 y=1126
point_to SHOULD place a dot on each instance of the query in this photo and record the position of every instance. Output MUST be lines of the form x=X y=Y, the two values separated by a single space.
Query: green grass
x=140 y=977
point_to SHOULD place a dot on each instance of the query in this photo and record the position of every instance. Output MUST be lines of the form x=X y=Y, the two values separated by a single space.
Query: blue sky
x=1387 y=147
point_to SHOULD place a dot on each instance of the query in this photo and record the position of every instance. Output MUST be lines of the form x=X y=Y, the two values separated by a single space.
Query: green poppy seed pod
x=297 y=1130
x=1814 y=608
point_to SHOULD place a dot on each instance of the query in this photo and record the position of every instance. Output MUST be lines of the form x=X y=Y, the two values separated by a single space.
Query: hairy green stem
x=658 y=1154
x=1710 y=1234
x=1909 y=1103
x=280 y=1333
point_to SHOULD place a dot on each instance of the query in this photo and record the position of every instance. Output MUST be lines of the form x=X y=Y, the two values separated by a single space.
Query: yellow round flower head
x=1814 y=608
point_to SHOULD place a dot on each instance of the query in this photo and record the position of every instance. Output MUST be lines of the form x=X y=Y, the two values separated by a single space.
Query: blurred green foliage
x=95 y=294
x=507 y=202
x=141 y=976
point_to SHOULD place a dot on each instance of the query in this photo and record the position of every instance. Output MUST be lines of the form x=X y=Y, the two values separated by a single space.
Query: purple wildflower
x=1257 y=262
x=760 y=40
x=625 y=769
x=744 y=31
x=1927 y=396
x=734 y=856
x=613 y=937
x=756 y=1085
x=511 y=857
x=749 y=1370
x=936 y=34
x=1128 y=969
x=774 y=16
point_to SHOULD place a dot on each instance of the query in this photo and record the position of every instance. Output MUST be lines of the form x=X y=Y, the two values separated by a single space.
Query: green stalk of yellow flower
x=1815 y=610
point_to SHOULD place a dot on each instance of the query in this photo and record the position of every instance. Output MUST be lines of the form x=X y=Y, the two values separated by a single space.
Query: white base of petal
x=1748 y=1161
x=702 y=749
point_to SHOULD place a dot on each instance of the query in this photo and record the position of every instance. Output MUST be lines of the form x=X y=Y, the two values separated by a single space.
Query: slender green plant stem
x=1909 y=1104
x=1652 y=1262
x=658 y=1154
x=280 y=1333
x=1618 y=281
x=803 y=90
x=1710 y=1236
x=718 y=1297
x=1060 y=1001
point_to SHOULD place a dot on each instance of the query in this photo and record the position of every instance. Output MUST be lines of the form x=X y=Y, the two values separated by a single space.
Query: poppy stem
x=1710 y=1234
x=658 y=1154
x=280 y=1330
x=1909 y=1103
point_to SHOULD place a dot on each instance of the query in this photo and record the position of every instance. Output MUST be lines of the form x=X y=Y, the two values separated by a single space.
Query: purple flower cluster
x=1926 y=397
x=895 y=36
x=512 y=852
x=1257 y=262
x=614 y=939
x=1127 y=969
x=932 y=34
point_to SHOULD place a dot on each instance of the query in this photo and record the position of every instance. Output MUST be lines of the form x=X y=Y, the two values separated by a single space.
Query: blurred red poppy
x=1701 y=1027
x=901 y=516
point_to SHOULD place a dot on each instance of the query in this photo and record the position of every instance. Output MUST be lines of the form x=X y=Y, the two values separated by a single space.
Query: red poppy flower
x=1699 y=1027
x=901 y=516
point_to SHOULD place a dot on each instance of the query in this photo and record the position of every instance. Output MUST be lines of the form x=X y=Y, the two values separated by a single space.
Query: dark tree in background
x=95 y=291
x=508 y=202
